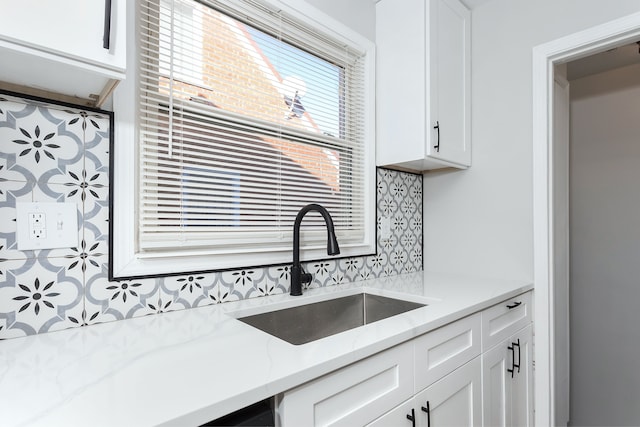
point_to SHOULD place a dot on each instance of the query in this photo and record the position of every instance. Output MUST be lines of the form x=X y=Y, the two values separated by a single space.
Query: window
x=180 y=45
x=246 y=111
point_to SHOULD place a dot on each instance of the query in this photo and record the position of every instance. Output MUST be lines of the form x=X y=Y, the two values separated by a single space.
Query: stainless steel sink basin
x=310 y=322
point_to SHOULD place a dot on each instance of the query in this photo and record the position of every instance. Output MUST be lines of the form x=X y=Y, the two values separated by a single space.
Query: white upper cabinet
x=70 y=47
x=423 y=107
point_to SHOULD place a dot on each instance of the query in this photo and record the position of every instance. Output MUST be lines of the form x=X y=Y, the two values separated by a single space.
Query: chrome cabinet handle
x=437 y=128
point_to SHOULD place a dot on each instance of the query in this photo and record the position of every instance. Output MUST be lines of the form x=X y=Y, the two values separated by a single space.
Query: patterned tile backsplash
x=53 y=153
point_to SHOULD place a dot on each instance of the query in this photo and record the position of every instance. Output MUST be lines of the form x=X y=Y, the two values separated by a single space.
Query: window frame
x=125 y=261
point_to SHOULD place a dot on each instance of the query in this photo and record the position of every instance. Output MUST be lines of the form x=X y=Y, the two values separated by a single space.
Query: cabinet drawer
x=354 y=395
x=504 y=319
x=443 y=350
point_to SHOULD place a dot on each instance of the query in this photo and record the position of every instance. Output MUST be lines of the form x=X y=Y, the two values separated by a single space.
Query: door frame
x=545 y=57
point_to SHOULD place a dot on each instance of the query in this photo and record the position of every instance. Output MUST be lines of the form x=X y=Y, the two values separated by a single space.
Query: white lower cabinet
x=362 y=392
x=502 y=320
x=441 y=378
x=353 y=395
x=454 y=400
x=507 y=381
x=441 y=351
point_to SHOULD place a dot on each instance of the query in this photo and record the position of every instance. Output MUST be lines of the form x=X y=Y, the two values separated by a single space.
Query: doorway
x=551 y=220
x=604 y=237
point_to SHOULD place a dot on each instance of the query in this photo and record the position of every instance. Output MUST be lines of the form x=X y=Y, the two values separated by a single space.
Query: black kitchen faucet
x=298 y=276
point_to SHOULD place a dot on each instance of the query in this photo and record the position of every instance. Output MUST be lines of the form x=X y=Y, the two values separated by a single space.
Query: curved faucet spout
x=297 y=275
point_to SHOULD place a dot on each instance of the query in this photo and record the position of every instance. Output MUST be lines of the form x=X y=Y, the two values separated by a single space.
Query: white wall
x=480 y=221
x=605 y=248
x=359 y=15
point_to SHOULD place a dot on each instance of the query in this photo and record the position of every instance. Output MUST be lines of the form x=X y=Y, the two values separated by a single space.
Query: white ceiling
x=605 y=61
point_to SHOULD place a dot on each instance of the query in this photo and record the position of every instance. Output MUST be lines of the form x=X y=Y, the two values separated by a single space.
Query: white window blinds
x=246 y=115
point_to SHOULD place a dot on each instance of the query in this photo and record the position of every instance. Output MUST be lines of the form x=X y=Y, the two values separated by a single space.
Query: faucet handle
x=305 y=277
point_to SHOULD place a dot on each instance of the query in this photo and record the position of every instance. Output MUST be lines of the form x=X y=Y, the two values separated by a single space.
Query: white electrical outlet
x=385 y=227
x=46 y=225
x=37 y=226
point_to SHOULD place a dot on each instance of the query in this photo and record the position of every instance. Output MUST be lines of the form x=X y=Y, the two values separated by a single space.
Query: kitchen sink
x=310 y=322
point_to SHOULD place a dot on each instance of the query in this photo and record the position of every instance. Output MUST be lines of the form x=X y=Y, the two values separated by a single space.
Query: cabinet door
x=401 y=85
x=449 y=96
x=521 y=388
x=507 y=378
x=354 y=395
x=455 y=400
x=496 y=386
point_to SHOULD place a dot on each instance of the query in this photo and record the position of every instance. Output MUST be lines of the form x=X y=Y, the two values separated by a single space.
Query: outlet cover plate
x=385 y=227
x=59 y=229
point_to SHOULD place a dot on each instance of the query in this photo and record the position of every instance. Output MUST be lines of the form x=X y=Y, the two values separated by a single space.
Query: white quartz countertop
x=188 y=367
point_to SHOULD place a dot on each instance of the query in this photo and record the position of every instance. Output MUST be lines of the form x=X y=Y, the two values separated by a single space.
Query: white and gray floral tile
x=166 y=302
x=400 y=199
x=190 y=290
x=124 y=299
x=37 y=296
x=57 y=153
x=242 y=284
x=322 y=271
x=278 y=279
x=10 y=193
x=42 y=159
x=338 y=278
x=376 y=263
x=36 y=145
x=351 y=267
